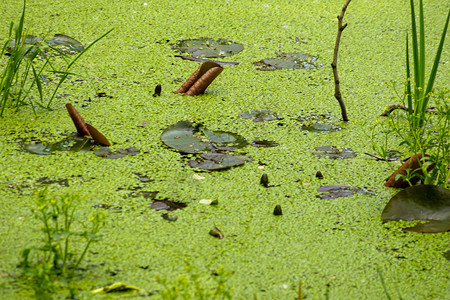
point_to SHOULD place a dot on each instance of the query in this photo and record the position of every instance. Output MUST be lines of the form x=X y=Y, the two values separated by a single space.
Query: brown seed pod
x=413 y=164
x=97 y=136
x=197 y=83
x=78 y=121
x=277 y=210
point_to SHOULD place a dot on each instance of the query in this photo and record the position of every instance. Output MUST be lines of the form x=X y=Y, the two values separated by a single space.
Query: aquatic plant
x=194 y=286
x=419 y=96
x=57 y=255
x=22 y=50
x=337 y=89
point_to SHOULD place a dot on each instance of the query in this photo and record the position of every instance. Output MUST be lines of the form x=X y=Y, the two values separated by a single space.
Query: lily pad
x=333 y=152
x=421 y=202
x=295 y=60
x=216 y=161
x=224 y=140
x=187 y=138
x=119 y=153
x=182 y=136
x=339 y=190
x=167 y=205
x=66 y=41
x=259 y=115
x=319 y=123
x=264 y=144
x=71 y=143
x=207 y=47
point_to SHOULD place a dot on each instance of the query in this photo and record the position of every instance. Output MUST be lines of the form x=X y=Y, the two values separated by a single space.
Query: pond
x=170 y=226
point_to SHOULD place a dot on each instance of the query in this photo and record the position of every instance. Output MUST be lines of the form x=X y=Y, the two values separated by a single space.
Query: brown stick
x=337 y=90
x=393 y=107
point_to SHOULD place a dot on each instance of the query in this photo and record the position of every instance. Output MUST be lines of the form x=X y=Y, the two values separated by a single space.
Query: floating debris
x=208 y=201
x=277 y=210
x=197 y=83
x=207 y=47
x=259 y=115
x=339 y=190
x=333 y=152
x=288 y=61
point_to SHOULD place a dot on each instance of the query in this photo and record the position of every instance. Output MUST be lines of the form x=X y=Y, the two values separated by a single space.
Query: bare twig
x=393 y=107
x=337 y=90
x=379 y=158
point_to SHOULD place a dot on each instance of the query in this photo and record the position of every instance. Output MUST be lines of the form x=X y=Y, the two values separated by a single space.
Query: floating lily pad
x=264 y=144
x=66 y=41
x=187 y=138
x=288 y=61
x=333 y=152
x=421 y=202
x=339 y=190
x=207 y=47
x=119 y=153
x=224 y=140
x=259 y=115
x=216 y=161
x=167 y=205
x=182 y=136
x=319 y=123
x=71 y=143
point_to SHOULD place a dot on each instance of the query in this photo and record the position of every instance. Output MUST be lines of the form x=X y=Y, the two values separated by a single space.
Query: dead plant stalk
x=337 y=90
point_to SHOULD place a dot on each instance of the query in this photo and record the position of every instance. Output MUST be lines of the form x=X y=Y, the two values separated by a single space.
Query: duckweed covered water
x=335 y=247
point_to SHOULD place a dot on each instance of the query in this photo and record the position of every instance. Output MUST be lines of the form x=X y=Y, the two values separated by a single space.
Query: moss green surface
x=334 y=247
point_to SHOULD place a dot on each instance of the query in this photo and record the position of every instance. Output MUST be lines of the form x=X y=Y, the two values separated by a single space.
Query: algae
x=335 y=247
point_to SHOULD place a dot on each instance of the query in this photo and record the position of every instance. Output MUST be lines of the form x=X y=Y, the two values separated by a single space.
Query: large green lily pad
x=207 y=47
x=183 y=137
x=187 y=137
x=421 y=202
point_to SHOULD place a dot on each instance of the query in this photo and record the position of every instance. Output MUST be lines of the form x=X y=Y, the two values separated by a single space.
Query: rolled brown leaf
x=411 y=165
x=199 y=80
x=78 y=121
x=97 y=136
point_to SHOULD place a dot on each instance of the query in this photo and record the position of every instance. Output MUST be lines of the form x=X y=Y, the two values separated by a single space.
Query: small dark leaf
x=264 y=143
x=168 y=217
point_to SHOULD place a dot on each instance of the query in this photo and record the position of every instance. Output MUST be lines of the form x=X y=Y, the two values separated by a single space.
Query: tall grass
x=418 y=94
x=21 y=75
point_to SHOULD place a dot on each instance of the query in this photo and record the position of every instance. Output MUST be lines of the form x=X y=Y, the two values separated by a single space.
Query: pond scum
x=252 y=187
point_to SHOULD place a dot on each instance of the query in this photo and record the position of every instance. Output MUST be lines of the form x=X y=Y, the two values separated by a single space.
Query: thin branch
x=393 y=107
x=337 y=90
